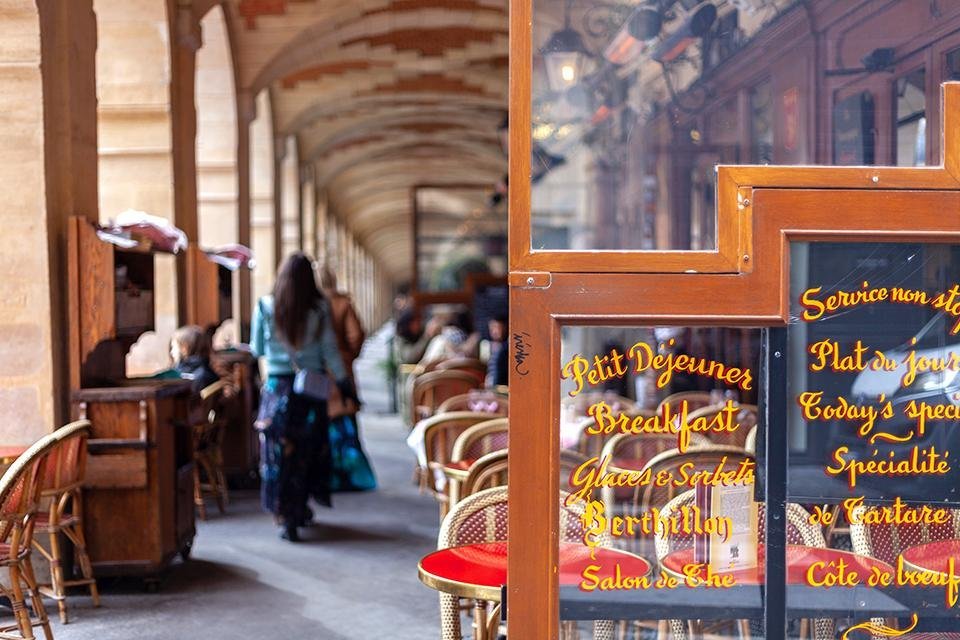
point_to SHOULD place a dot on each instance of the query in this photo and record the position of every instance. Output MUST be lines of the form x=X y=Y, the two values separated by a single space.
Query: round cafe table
x=932 y=556
x=478 y=571
x=799 y=560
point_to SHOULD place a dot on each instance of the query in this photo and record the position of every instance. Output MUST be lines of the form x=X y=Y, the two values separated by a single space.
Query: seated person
x=411 y=338
x=191 y=357
x=455 y=339
x=498 y=364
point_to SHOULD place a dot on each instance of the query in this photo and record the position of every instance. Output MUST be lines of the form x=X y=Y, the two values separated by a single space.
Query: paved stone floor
x=354 y=577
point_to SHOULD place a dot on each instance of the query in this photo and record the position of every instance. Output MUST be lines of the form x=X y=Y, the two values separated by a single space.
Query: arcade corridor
x=361 y=558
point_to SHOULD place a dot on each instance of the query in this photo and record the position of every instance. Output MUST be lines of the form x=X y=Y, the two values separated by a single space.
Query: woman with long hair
x=292 y=331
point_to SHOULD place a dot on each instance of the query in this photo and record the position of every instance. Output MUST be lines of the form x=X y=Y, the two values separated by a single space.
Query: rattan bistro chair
x=634 y=451
x=799 y=531
x=20 y=489
x=471 y=445
x=634 y=502
x=746 y=417
x=208 y=434
x=694 y=399
x=440 y=433
x=483 y=400
x=471 y=366
x=887 y=541
x=61 y=491
x=432 y=388
x=482 y=517
x=481 y=439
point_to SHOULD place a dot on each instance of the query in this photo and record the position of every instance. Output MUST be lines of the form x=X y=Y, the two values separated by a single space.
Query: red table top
x=799 y=559
x=12 y=452
x=482 y=568
x=933 y=556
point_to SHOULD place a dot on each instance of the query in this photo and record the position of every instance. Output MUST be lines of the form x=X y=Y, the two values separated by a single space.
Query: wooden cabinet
x=138 y=500
x=138 y=497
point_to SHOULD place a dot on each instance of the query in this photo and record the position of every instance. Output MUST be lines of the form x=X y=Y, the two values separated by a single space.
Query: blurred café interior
x=587 y=242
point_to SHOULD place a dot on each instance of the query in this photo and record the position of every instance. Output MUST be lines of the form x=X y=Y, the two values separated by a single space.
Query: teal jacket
x=317 y=354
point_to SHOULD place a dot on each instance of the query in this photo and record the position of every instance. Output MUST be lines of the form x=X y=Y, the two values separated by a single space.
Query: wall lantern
x=565 y=55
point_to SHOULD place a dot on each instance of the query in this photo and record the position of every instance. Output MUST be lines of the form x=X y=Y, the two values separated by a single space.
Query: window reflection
x=911 y=133
x=634 y=103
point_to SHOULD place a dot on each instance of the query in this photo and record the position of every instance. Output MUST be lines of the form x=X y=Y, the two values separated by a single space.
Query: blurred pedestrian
x=292 y=330
x=351 y=469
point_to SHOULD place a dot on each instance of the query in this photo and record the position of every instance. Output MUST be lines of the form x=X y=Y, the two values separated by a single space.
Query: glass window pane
x=634 y=103
x=645 y=448
x=873 y=401
x=460 y=235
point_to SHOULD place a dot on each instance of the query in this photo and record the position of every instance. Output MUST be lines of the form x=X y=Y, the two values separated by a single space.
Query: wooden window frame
x=761 y=209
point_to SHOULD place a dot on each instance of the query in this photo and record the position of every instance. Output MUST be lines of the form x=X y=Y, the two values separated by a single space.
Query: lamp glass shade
x=565 y=57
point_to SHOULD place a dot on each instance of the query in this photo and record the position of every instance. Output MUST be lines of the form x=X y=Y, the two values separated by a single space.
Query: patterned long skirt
x=351 y=469
x=295 y=461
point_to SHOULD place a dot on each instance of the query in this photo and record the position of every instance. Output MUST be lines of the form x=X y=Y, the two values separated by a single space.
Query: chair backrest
x=582 y=402
x=432 y=388
x=694 y=399
x=570 y=461
x=211 y=421
x=488 y=471
x=634 y=451
x=482 y=517
x=480 y=439
x=477 y=400
x=751 y=442
x=746 y=416
x=441 y=431
x=799 y=529
x=887 y=541
x=65 y=465
x=635 y=501
x=473 y=366
x=20 y=491
x=694 y=459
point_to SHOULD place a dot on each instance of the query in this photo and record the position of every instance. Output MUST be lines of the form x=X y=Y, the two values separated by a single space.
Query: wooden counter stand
x=138 y=499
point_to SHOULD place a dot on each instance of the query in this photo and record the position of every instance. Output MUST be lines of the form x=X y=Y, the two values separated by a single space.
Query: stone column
x=246 y=112
x=183 y=61
x=48 y=137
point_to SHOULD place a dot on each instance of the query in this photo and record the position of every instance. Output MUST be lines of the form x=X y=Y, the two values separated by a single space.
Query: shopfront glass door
x=694 y=452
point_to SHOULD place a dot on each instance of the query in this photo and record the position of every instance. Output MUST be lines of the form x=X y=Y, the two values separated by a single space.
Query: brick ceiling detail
x=381 y=95
x=398 y=6
x=331 y=69
x=429 y=42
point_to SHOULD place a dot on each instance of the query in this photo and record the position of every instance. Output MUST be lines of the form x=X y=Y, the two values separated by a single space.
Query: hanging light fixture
x=565 y=55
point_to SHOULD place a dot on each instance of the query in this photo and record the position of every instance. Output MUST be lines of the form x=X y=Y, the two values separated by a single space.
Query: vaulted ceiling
x=381 y=95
